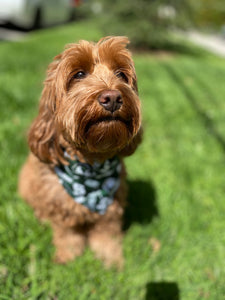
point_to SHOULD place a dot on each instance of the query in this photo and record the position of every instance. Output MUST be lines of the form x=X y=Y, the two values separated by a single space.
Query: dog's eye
x=122 y=76
x=79 y=75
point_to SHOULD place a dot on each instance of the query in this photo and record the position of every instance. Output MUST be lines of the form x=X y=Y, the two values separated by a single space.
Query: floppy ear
x=43 y=138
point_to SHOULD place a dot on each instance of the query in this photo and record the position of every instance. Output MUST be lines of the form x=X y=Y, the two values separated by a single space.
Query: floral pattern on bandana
x=94 y=185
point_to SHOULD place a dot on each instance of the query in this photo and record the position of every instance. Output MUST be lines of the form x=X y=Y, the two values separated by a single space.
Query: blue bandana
x=94 y=185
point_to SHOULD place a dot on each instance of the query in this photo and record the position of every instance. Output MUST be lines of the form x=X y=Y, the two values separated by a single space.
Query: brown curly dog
x=89 y=119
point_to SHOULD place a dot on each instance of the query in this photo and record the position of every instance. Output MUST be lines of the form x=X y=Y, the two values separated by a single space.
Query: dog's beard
x=108 y=135
x=99 y=134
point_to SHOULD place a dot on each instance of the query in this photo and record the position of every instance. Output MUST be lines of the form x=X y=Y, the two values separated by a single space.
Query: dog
x=89 y=119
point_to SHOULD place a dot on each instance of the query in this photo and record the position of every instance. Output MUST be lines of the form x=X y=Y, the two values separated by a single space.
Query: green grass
x=175 y=239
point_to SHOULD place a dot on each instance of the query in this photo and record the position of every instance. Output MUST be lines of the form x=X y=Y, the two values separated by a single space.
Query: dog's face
x=90 y=99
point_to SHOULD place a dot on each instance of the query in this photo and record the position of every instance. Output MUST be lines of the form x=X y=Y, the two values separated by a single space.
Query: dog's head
x=89 y=102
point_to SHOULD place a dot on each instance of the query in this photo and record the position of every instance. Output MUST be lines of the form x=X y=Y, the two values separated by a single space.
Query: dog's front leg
x=105 y=239
x=69 y=243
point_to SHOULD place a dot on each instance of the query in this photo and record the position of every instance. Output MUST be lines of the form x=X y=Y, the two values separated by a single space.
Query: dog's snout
x=111 y=100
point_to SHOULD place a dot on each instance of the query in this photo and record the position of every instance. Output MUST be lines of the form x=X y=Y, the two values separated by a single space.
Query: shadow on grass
x=162 y=291
x=141 y=206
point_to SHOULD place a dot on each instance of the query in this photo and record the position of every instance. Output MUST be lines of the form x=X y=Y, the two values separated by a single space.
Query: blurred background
x=150 y=24
x=35 y=14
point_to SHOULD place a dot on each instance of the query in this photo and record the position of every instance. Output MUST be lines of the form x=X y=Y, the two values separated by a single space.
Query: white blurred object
x=36 y=13
x=214 y=43
x=96 y=7
x=166 y=12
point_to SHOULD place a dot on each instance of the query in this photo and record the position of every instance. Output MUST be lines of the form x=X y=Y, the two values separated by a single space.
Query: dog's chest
x=93 y=186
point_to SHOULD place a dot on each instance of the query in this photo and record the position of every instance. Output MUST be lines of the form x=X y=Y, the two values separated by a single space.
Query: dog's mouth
x=110 y=120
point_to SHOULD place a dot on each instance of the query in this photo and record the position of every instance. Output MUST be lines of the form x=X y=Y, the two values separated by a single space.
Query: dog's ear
x=132 y=146
x=42 y=138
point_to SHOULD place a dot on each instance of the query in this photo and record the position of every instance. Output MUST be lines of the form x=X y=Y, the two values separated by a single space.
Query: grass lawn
x=174 y=244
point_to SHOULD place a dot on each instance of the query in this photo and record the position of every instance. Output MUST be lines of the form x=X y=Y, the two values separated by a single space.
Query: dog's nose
x=111 y=100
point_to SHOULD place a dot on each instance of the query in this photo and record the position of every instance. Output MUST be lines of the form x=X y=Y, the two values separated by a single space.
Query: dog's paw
x=113 y=260
x=68 y=245
x=108 y=249
x=67 y=253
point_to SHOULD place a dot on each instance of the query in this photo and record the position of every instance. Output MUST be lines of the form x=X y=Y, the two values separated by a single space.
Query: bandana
x=94 y=185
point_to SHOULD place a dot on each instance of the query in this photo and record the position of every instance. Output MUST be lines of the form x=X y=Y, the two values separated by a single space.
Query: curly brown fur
x=72 y=119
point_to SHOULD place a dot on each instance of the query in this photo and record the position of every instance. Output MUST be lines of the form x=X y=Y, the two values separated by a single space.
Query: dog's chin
x=108 y=135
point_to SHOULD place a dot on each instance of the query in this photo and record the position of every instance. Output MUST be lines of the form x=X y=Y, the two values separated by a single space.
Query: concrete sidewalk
x=212 y=43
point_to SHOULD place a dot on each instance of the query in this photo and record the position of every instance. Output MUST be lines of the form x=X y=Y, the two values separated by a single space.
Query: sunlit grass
x=175 y=237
